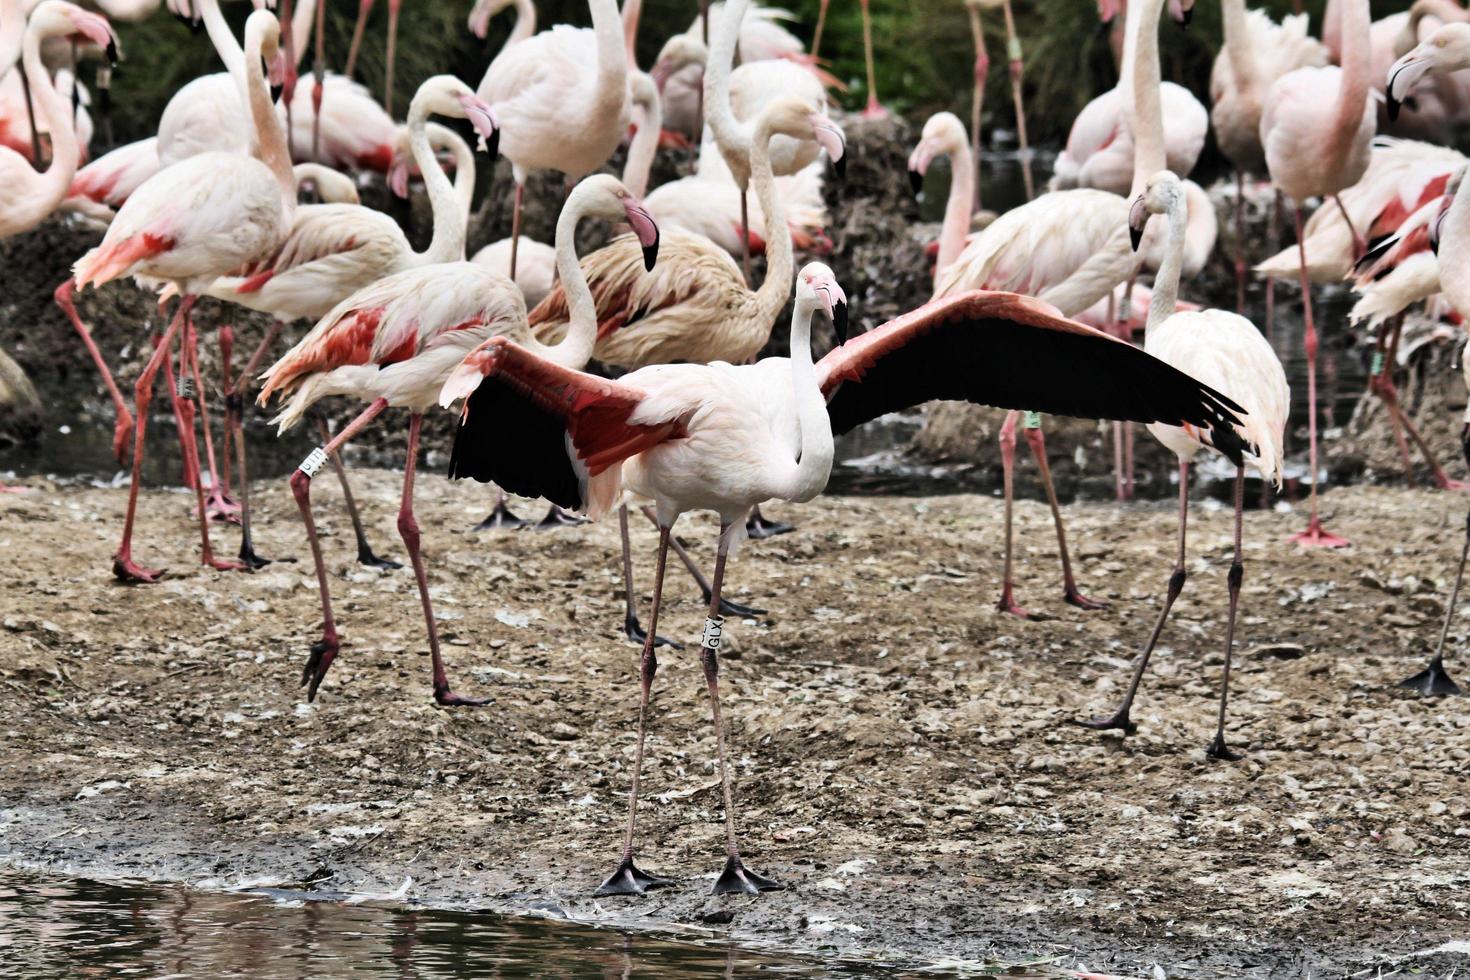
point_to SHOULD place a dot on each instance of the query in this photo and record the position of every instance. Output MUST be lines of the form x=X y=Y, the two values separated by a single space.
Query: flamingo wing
x=542 y=430
x=1009 y=351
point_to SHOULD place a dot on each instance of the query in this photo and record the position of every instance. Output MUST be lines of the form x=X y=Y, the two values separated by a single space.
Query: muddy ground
x=905 y=757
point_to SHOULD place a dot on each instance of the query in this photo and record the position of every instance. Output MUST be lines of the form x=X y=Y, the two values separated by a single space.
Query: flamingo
x=1227 y=352
x=1256 y=53
x=1443 y=53
x=198 y=219
x=874 y=109
x=393 y=344
x=725 y=437
x=364 y=8
x=30 y=196
x=1311 y=152
x=696 y=306
x=1016 y=69
x=559 y=113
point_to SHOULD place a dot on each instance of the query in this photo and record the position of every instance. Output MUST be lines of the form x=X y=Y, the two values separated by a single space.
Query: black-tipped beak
x=839 y=167
x=1135 y=237
x=112 y=53
x=1465 y=446
x=839 y=322
x=1186 y=15
x=1393 y=105
x=650 y=253
x=492 y=146
x=916 y=181
x=276 y=91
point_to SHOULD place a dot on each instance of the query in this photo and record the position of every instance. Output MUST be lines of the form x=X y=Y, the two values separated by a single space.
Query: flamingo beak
x=919 y=162
x=1401 y=80
x=645 y=228
x=398 y=178
x=830 y=137
x=276 y=75
x=1436 y=223
x=660 y=74
x=1465 y=447
x=1137 y=218
x=482 y=117
x=834 y=301
x=96 y=29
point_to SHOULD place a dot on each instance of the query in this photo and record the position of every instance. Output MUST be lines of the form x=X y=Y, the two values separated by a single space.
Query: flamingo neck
x=524 y=26
x=733 y=140
x=223 y=39
x=303 y=18
x=1166 y=282
x=1445 y=10
x=959 y=207
x=814 y=467
x=1454 y=250
x=444 y=138
x=612 y=62
x=1148 y=114
x=780 y=263
x=631 y=11
x=1332 y=30
x=270 y=138
x=450 y=215
x=56 y=110
x=648 y=117
x=1243 y=67
x=574 y=350
x=1352 y=93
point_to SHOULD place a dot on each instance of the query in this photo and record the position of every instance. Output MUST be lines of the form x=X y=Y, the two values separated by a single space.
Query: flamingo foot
x=5 y=489
x=628 y=880
x=221 y=508
x=122 y=437
x=874 y=110
x=1443 y=482
x=446 y=698
x=739 y=880
x=126 y=570
x=1075 y=598
x=250 y=558
x=728 y=608
x=1315 y=536
x=634 y=631
x=366 y=557
x=1007 y=604
x=500 y=519
x=1432 y=682
x=1219 y=750
x=758 y=527
x=323 y=652
x=1119 y=722
x=227 y=565
x=557 y=518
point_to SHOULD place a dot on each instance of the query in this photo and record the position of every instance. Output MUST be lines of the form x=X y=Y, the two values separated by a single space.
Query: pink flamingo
x=206 y=216
x=1311 y=152
x=724 y=437
x=394 y=344
x=1227 y=352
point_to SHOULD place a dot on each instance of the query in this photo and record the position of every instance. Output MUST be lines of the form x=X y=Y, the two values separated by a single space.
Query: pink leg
x=874 y=109
x=408 y=528
x=319 y=70
x=816 y=35
x=123 y=565
x=226 y=372
x=172 y=384
x=1218 y=749
x=234 y=422
x=324 y=651
x=1240 y=273
x=184 y=406
x=219 y=504
x=393 y=6
x=124 y=425
x=364 y=8
x=1360 y=244
x=1073 y=596
x=1314 y=535
x=1274 y=234
x=1128 y=459
x=1008 y=468
x=515 y=227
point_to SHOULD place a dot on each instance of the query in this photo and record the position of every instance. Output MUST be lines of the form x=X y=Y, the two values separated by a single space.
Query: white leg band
x=714 y=627
x=313 y=462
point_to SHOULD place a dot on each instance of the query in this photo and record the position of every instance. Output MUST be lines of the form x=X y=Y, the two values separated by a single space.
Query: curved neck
x=780 y=264
x=1148 y=114
x=644 y=145
x=450 y=216
x=269 y=136
x=56 y=110
x=1454 y=248
x=575 y=348
x=1444 y=10
x=1238 y=46
x=223 y=39
x=444 y=138
x=302 y=20
x=1166 y=282
x=631 y=10
x=524 y=26
x=612 y=61
x=814 y=468
x=958 y=208
x=1332 y=29
x=721 y=118
x=1352 y=94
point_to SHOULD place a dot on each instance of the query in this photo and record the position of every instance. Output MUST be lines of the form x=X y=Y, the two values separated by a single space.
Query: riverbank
x=905 y=758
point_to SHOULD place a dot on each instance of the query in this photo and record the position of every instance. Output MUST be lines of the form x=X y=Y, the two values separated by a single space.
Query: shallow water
x=58 y=927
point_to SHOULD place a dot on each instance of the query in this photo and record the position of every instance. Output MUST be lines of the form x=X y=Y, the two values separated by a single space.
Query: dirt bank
x=905 y=758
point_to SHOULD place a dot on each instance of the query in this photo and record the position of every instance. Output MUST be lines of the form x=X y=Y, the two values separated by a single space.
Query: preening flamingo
x=725 y=437
x=1226 y=352
x=1312 y=152
x=394 y=343
x=695 y=306
x=1443 y=53
x=186 y=225
x=560 y=112
x=30 y=196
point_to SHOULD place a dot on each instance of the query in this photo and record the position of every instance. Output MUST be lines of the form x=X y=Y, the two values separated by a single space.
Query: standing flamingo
x=395 y=342
x=725 y=437
x=562 y=97
x=1227 y=352
x=1312 y=152
x=188 y=224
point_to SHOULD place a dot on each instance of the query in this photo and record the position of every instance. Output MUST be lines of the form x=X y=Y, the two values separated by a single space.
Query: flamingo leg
x=631 y=627
x=1273 y=232
x=124 y=425
x=1007 y=602
x=25 y=86
x=1128 y=470
x=365 y=555
x=226 y=377
x=1239 y=241
x=735 y=878
x=977 y=98
x=319 y=72
x=1390 y=394
x=1017 y=68
x=1218 y=749
x=408 y=528
x=1037 y=442
x=324 y=651
x=235 y=420
x=816 y=34
x=1119 y=719
x=1314 y=535
x=727 y=608
x=364 y=8
x=745 y=237
x=874 y=109
x=628 y=879
x=220 y=505
x=757 y=527
x=1433 y=681
x=184 y=408
x=515 y=227
x=1379 y=380
x=500 y=518
x=393 y=7
x=123 y=565
x=1360 y=244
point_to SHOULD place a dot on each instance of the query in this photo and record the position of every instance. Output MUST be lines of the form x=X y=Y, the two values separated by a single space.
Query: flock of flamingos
x=211 y=207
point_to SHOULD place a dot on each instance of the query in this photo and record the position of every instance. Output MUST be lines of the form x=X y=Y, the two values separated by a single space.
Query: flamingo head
x=1163 y=193
x=816 y=286
x=799 y=119
x=1446 y=50
x=943 y=134
x=604 y=196
x=445 y=95
x=1107 y=11
x=481 y=14
x=681 y=51
x=57 y=18
x=187 y=15
x=1182 y=11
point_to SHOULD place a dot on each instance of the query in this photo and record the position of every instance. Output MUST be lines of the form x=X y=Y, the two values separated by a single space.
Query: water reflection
x=76 y=928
